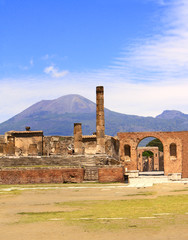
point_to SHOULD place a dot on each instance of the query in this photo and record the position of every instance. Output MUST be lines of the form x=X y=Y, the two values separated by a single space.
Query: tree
x=147 y=154
x=156 y=143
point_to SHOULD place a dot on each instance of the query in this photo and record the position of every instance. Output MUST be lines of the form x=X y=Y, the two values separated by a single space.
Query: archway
x=150 y=155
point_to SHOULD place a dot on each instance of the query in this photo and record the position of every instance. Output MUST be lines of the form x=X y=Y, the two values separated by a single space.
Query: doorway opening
x=150 y=155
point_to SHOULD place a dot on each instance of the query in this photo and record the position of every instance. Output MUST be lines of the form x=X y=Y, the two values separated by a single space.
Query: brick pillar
x=78 y=146
x=100 y=127
x=156 y=160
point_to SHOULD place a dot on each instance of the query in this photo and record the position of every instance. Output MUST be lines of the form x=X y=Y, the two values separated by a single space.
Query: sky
x=136 y=49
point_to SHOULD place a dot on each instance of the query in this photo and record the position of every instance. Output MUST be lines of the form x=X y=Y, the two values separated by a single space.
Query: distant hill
x=172 y=114
x=57 y=117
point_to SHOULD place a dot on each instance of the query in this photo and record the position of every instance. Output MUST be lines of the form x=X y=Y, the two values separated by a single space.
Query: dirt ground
x=36 y=200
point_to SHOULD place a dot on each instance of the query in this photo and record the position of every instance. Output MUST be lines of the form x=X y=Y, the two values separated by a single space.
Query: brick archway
x=153 y=162
x=179 y=164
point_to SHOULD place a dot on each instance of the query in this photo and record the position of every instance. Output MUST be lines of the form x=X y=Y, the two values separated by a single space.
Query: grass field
x=65 y=211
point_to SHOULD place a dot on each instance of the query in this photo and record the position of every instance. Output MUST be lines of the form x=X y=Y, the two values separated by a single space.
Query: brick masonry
x=28 y=176
x=114 y=174
x=89 y=163
x=178 y=164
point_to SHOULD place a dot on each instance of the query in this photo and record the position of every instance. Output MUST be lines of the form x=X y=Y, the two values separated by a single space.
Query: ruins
x=30 y=157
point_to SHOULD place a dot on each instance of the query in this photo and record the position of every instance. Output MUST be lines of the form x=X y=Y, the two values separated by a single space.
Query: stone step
x=91 y=173
x=152 y=173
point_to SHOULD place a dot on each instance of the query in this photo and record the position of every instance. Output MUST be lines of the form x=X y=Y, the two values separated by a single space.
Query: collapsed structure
x=30 y=157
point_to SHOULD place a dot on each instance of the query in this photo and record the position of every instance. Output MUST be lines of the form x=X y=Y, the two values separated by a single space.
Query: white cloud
x=128 y=97
x=149 y=77
x=163 y=56
x=54 y=72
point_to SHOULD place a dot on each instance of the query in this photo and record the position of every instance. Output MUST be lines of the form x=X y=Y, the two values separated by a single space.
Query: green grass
x=95 y=215
x=180 y=190
x=12 y=192
x=141 y=194
x=4 y=186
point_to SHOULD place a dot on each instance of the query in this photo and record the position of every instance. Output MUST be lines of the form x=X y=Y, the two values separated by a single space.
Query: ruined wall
x=58 y=145
x=172 y=164
x=112 y=146
x=22 y=143
x=2 y=145
x=28 y=176
x=89 y=144
x=111 y=174
x=25 y=146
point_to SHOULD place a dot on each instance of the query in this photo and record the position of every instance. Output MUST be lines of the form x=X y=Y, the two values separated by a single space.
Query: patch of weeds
x=132 y=226
x=116 y=214
x=180 y=190
x=30 y=217
x=12 y=192
x=141 y=194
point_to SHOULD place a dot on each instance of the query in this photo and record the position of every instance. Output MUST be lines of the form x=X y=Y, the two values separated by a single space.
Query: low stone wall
x=114 y=174
x=65 y=161
x=47 y=175
x=43 y=169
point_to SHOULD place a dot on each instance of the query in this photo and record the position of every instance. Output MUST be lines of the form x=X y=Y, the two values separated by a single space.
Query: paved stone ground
x=149 y=181
x=140 y=182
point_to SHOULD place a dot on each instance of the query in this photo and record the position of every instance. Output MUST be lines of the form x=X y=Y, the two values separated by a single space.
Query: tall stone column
x=78 y=145
x=100 y=124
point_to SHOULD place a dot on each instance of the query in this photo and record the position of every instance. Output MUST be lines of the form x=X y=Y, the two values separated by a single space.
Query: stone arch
x=152 y=163
x=171 y=164
x=148 y=136
x=133 y=139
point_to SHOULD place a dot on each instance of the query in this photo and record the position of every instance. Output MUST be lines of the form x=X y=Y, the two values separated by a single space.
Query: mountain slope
x=172 y=114
x=66 y=104
x=57 y=117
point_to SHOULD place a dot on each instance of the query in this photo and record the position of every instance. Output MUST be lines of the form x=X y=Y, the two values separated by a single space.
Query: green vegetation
x=156 y=143
x=12 y=192
x=141 y=194
x=117 y=214
x=181 y=190
x=55 y=185
x=147 y=154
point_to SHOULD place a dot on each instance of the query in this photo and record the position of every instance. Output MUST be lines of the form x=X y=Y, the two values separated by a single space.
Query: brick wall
x=25 y=176
x=107 y=175
x=179 y=164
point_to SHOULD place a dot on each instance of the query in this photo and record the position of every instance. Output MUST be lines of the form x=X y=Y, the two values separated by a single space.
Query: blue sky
x=137 y=49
